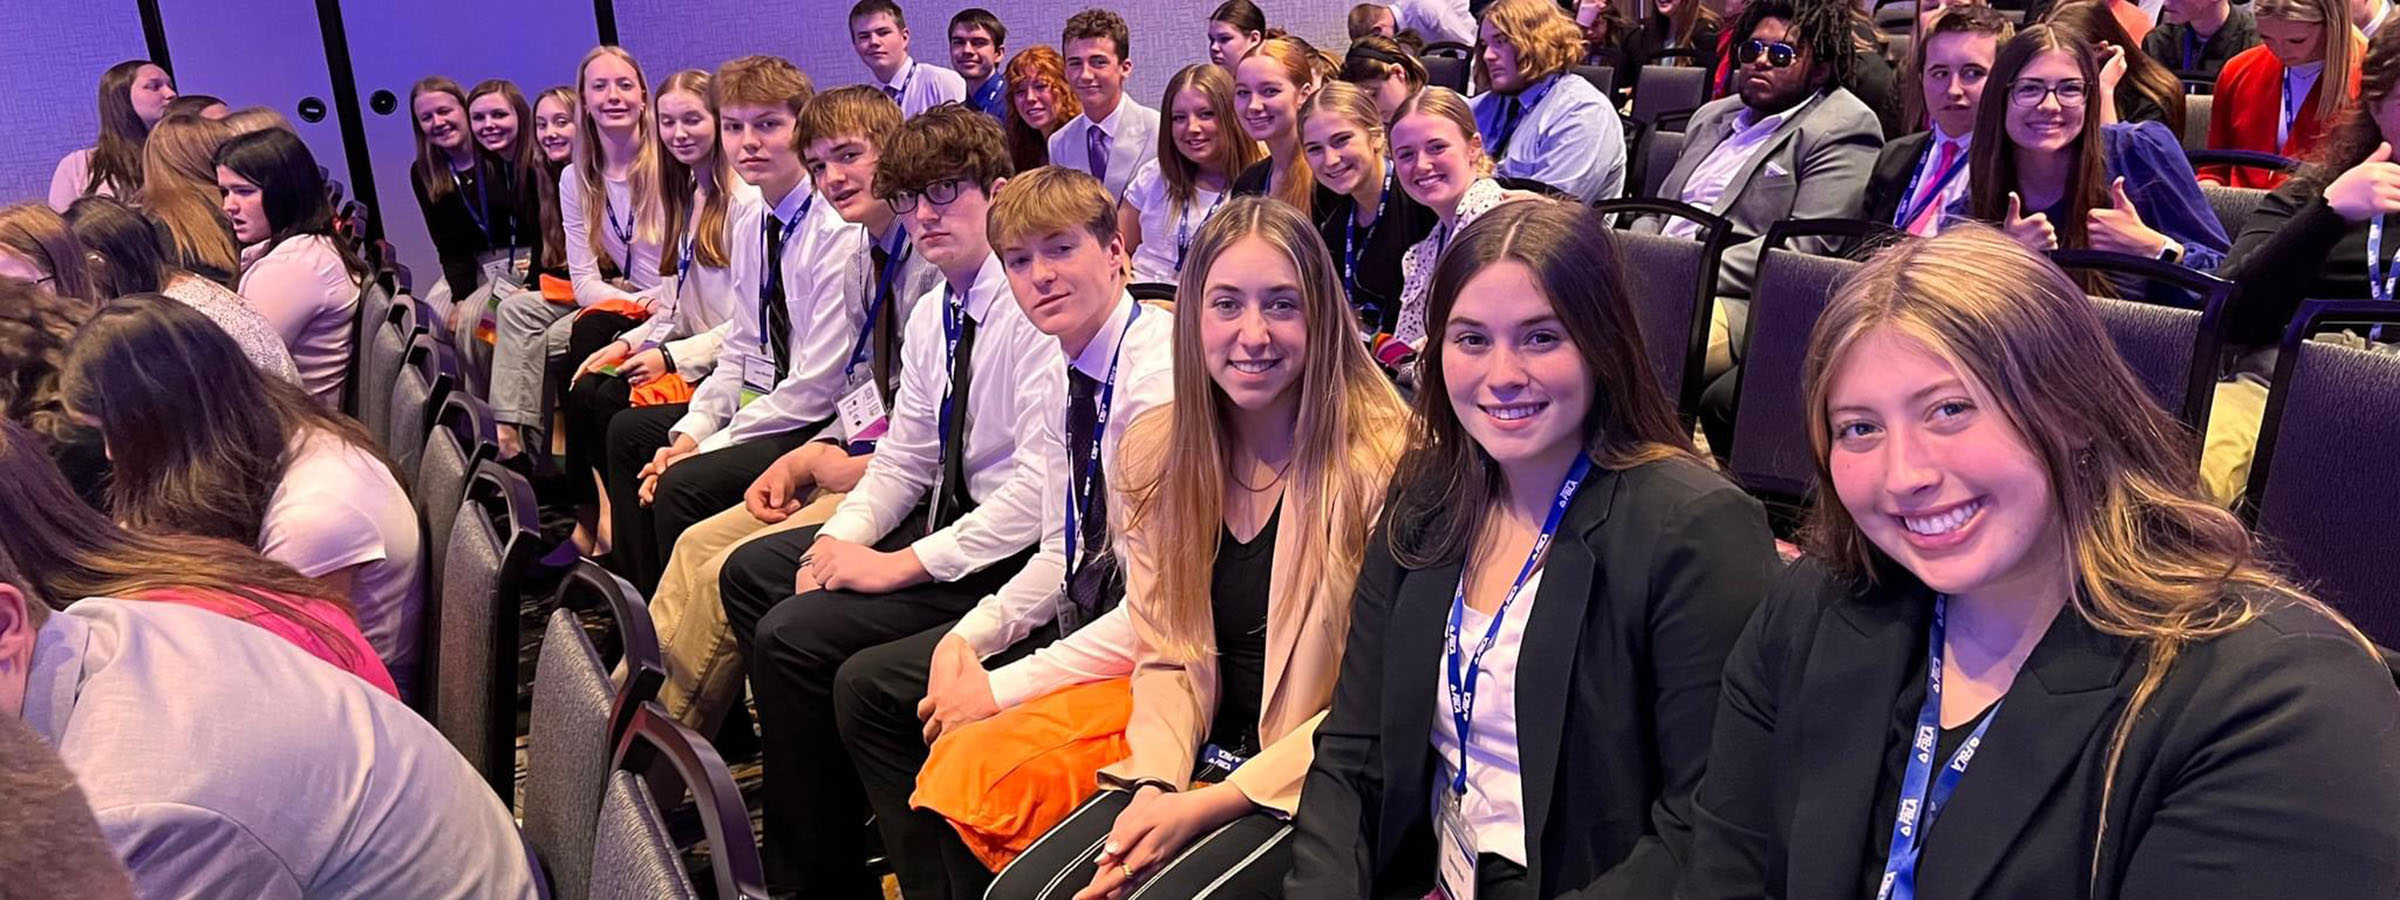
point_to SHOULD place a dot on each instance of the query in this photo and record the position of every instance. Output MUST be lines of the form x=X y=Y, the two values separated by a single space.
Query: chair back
x=1666 y=89
x=1770 y=455
x=1445 y=71
x=474 y=642
x=2168 y=284
x=2241 y=159
x=2322 y=484
x=579 y=713
x=374 y=305
x=379 y=361
x=1660 y=149
x=461 y=437
x=2196 y=109
x=1602 y=77
x=634 y=856
x=427 y=375
x=2233 y=205
x=2160 y=343
x=1671 y=282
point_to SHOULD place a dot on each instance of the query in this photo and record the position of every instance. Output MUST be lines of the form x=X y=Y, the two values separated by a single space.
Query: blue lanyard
x=481 y=211
x=2291 y=110
x=894 y=258
x=1925 y=195
x=624 y=232
x=766 y=264
x=987 y=97
x=1350 y=240
x=2188 y=33
x=1079 y=487
x=2381 y=273
x=1462 y=690
x=1920 y=802
x=1183 y=227
x=954 y=316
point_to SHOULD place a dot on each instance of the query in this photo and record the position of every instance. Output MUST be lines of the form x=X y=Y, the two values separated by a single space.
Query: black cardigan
x=451 y=221
x=1647 y=586
x=2294 y=248
x=2265 y=764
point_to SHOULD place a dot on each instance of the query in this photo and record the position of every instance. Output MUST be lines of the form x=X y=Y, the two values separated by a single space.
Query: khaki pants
x=2240 y=408
x=704 y=663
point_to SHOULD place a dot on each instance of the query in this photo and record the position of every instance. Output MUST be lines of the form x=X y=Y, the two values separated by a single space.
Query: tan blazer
x=1174 y=703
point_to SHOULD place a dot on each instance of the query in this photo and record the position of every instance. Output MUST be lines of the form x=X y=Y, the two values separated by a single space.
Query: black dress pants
x=875 y=698
x=813 y=809
x=696 y=488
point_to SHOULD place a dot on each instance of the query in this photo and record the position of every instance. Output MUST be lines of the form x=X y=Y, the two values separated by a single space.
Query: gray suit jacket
x=1814 y=167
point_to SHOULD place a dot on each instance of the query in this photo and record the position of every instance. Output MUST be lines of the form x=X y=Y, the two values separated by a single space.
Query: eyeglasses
x=2029 y=94
x=1778 y=53
x=939 y=193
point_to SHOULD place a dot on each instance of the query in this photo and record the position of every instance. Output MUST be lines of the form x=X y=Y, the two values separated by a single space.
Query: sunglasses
x=1778 y=53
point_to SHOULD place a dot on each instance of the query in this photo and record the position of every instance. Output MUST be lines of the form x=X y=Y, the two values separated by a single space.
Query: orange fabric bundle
x=1006 y=780
x=661 y=391
x=558 y=290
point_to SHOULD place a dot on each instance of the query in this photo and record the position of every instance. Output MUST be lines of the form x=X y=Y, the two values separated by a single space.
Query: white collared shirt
x=1168 y=228
x=1708 y=181
x=1435 y=20
x=1145 y=379
x=1132 y=131
x=1495 y=803
x=698 y=307
x=2297 y=82
x=615 y=218
x=1019 y=387
x=1929 y=166
x=923 y=86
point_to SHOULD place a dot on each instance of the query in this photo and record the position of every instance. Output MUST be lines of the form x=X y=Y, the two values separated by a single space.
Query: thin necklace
x=1271 y=482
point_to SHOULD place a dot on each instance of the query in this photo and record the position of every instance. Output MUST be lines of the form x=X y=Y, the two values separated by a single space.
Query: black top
x=1237 y=591
x=1651 y=575
x=1403 y=223
x=1253 y=181
x=2294 y=248
x=2176 y=46
x=2258 y=768
x=1895 y=767
x=480 y=215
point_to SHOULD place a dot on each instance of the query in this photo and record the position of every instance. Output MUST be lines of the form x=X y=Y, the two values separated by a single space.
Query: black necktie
x=884 y=351
x=950 y=498
x=778 y=316
x=1092 y=586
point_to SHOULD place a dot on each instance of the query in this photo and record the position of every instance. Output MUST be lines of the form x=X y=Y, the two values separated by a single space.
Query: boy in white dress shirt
x=1055 y=231
x=879 y=32
x=948 y=510
x=1115 y=134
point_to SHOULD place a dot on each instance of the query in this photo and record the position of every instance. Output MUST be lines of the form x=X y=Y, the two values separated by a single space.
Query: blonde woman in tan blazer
x=1250 y=499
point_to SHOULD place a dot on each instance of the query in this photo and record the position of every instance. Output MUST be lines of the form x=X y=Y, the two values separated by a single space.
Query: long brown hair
x=641 y=175
x=1294 y=184
x=117 y=156
x=523 y=158
x=1992 y=155
x=1449 y=484
x=35 y=326
x=1343 y=445
x=1029 y=147
x=434 y=170
x=1235 y=150
x=199 y=438
x=554 y=230
x=35 y=233
x=180 y=191
x=678 y=184
x=2092 y=21
x=1547 y=39
x=65 y=550
x=2153 y=559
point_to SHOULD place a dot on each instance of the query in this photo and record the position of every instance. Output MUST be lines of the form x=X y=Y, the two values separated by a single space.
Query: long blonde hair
x=649 y=207
x=2154 y=560
x=179 y=189
x=678 y=183
x=1294 y=183
x=2344 y=45
x=1344 y=445
x=1235 y=150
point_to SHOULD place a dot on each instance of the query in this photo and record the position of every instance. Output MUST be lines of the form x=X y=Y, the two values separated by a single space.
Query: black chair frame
x=670 y=757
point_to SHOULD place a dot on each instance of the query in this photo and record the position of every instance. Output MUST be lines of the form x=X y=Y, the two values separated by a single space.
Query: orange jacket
x=2248 y=110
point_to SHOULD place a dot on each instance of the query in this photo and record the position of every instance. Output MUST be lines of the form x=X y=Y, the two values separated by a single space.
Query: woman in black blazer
x=2022 y=634
x=1595 y=709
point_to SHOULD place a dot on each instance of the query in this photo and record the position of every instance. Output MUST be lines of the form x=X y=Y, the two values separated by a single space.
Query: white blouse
x=304 y=288
x=1167 y=229
x=1495 y=803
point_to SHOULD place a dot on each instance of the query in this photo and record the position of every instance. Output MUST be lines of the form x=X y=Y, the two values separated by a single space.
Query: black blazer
x=2265 y=765
x=1647 y=586
x=457 y=240
x=1887 y=184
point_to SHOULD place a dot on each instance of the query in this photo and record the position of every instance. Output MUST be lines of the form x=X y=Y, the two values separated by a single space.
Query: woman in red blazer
x=2273 y=97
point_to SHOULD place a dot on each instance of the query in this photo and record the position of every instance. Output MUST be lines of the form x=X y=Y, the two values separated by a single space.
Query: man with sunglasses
x=949 y=507
x=1793 y=143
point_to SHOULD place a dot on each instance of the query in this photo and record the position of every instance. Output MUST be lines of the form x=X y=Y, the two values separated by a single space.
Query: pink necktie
x=1929 y=212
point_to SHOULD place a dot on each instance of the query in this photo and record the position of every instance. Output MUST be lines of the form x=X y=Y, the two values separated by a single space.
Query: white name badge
x=1457 y=842
x=758 y=377
x=862 y=412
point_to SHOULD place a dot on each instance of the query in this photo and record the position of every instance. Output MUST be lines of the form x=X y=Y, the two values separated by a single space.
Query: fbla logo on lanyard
x=1458 y=851
x=863 y=416
x=1080 y=496
x=1920 y=801
x=2381 y=272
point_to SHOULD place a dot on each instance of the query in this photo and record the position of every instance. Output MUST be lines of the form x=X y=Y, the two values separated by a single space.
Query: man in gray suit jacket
x=1793 y=144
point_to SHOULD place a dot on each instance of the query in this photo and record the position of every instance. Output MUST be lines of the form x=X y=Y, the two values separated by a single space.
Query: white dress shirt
x=1569 y=139
x=1714 y=174
x=918 y=87
x=1929 y=166
x=1435 y=20
x=1132 y=131
x=1098 y=651
x=583 y=268
x=1144 y=360
x=1167 y=228
x=221 y=761
x=1495 y=803
x=1019 y=386
x=702 y=302
x=827 y=310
